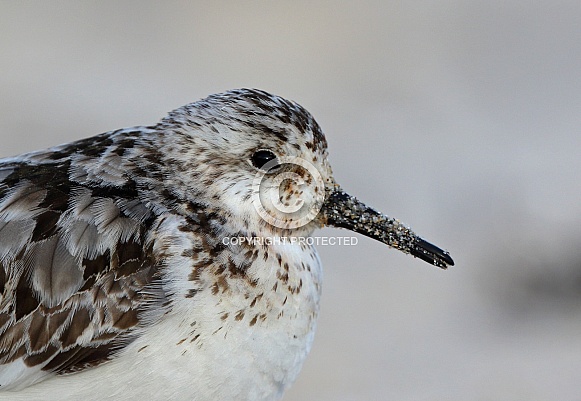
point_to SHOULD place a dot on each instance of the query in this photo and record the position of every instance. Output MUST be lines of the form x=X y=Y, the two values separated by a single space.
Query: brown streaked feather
x=73 y=268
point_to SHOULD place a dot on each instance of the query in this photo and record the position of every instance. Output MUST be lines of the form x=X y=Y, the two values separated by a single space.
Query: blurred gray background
x=461 y=118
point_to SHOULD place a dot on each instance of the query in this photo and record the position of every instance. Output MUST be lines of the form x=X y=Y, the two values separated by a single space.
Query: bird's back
x=74 y=260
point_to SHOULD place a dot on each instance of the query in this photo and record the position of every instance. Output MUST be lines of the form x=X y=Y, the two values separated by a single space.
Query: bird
x=170 y=261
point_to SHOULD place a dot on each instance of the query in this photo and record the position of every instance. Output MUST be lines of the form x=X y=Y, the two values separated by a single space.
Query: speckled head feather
x=136 y=259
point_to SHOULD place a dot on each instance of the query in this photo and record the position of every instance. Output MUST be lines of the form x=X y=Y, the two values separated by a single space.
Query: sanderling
x=119 y=274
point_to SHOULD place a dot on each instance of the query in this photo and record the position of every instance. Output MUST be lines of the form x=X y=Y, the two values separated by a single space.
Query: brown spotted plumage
x=120 y=275
x=74 y=258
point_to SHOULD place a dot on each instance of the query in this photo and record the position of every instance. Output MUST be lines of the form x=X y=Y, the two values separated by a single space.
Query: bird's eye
x=264 y=160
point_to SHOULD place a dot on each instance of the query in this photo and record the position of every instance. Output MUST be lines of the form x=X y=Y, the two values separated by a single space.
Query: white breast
x=212 y=346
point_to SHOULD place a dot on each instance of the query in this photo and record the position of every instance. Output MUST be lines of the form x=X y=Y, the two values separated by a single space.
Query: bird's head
x=264 y=161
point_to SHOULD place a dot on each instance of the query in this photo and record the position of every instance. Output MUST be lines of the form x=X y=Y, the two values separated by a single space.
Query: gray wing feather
x=76 y=273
